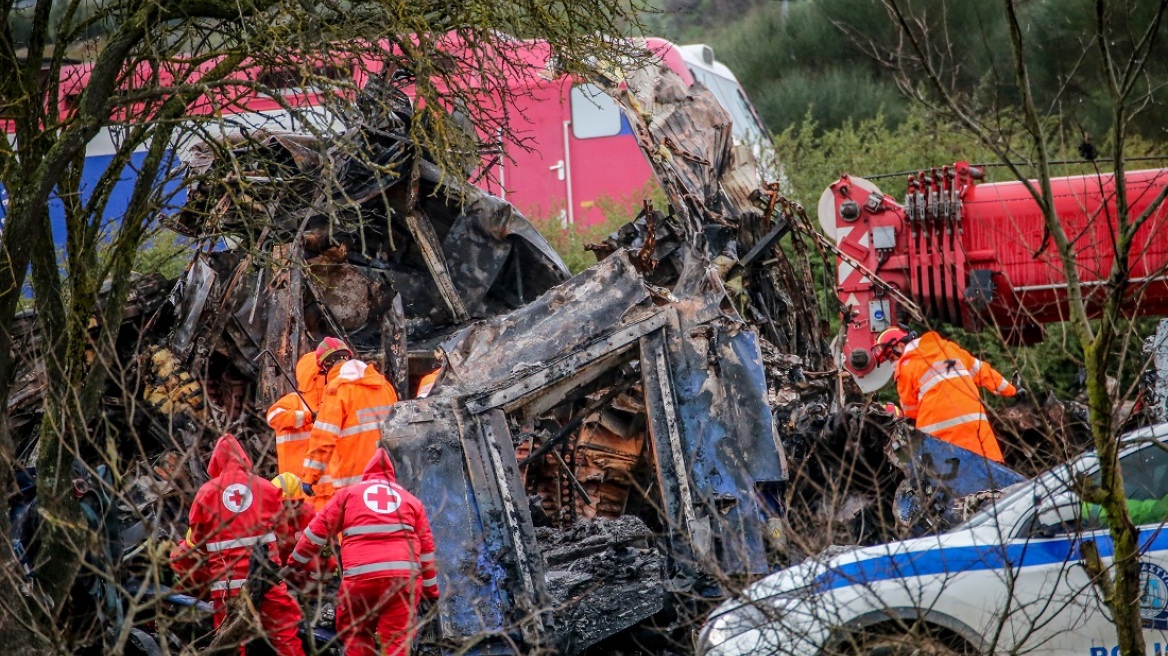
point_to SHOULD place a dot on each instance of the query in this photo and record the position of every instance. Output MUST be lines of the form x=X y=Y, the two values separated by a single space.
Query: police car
x=1010 y=580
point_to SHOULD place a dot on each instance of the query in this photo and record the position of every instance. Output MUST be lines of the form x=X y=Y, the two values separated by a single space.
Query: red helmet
x=330 y=345
x=886 y=340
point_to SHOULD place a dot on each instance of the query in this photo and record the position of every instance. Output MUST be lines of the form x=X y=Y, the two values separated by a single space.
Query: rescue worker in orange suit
x=356 y=400
x=292 y=415
x=937 y=381
x=387 y=552
x=232 y=513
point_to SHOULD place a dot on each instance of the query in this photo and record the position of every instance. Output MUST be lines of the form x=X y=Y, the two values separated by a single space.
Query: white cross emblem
x=382 y=499
x=237 y=497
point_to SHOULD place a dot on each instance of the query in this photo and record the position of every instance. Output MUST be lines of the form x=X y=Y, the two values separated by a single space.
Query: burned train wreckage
x=598 y=449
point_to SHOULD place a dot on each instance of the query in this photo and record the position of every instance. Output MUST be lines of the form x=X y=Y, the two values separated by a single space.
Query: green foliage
x=833 y=98
x=569 y=241
x=834 y=59
x=1059 y=61
x=164 y=252
x=814 y=159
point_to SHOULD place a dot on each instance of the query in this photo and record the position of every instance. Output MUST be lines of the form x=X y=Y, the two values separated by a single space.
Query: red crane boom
x=976 y=254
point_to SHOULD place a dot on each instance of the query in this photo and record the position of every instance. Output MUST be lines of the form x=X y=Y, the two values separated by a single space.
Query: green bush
x=569 y=241
x=164 y=252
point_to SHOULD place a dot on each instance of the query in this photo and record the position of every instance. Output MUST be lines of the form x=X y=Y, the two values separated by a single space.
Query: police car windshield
x=1143 y=463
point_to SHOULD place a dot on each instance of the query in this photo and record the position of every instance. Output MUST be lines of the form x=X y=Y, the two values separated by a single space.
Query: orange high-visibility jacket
x=347 y=428
x=937 y=381
x=292 y=419
x=427 y=383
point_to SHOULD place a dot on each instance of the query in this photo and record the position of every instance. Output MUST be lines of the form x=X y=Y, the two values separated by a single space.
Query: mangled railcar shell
x=713 y=452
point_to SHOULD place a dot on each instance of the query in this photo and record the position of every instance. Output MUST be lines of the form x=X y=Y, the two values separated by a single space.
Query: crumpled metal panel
x=489 y=354
x=465 y=473
x=191 y=295
x=454 y=252
x=728 y=438
x=936 y=474
x=691 y=137
x=480 y=240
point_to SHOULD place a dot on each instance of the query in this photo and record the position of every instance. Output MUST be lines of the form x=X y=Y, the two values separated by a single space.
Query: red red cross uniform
x=387 y=552
x=232 y=513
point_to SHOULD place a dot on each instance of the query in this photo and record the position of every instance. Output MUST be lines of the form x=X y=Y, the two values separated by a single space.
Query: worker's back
x=937 y=381
x=384 y=529
x=387 y=551
x=348 y=425
x=232 y=513
x=292 y=415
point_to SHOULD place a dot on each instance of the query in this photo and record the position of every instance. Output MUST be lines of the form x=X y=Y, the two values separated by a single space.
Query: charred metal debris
x=600 y=452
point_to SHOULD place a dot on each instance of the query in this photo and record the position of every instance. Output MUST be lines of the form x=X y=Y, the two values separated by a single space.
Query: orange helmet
x=886 y=340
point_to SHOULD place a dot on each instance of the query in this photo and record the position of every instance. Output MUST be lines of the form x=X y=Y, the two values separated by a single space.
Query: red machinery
x=977 y=255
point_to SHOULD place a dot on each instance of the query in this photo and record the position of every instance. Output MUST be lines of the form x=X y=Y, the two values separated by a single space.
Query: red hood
x=380 y=466
x=228 y=454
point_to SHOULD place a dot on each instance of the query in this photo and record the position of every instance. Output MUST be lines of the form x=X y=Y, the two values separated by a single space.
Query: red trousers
x=279 y=615
x=377 y=609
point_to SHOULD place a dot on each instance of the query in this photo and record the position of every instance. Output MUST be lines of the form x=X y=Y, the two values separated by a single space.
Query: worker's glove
x=425 y=607
x=164 y=548
x=1021 y=395
x=307 y=489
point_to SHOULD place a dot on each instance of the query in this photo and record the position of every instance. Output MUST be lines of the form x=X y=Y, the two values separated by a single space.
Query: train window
x=594 y=113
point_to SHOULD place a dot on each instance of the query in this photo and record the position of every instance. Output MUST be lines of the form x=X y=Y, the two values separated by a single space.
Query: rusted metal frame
x=567 y=472
x=276 y=340
x=394 y=347
x=317 y=296
x=566 y=365
x=198 y=272
x=284 y=373
x=661 y=409
x=516 y=516
x=296 y=279
x=423 y=233
x=570 y=427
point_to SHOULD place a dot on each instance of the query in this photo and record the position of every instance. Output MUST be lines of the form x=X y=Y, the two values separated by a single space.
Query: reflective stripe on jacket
x=937 y=382
x=292 y=415
x=292 y=421
x=426 y=384
x=384 y=529
x=347 y=427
